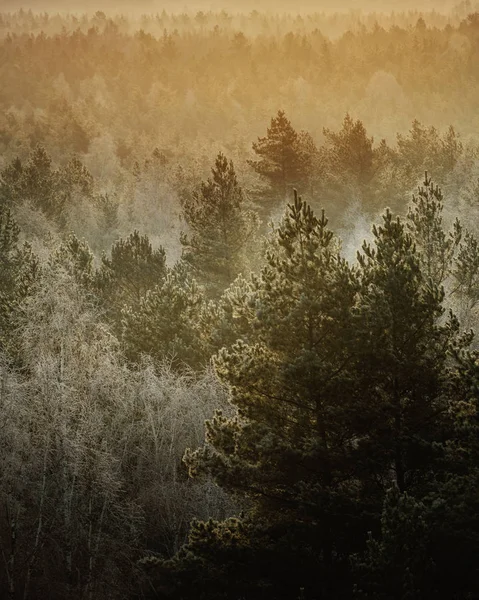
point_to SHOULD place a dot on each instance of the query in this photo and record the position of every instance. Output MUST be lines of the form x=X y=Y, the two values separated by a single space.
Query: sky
x=229 y=5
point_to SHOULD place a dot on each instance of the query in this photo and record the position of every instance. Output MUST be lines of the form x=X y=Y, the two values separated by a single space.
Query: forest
x=239 y=296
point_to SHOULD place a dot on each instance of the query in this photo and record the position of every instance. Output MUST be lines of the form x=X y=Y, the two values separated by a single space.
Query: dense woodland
x=239 y=284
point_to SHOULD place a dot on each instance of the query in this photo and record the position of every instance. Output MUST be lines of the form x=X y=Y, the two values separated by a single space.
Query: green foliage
x=75 y=176
x=350 y=154
x=424 y=148
x=285 y=158
x=18 y=271
x=288 y=448
x=326 y=420
x=221 y=227
x=109 y=210
x=165 y=324
x=471 y=194
x=436 y=248
x=132 y=269
x=350 y=440
x=398 y=567
x=77 y=259
x=403 y=355
x=36 y=182
x=466 y=270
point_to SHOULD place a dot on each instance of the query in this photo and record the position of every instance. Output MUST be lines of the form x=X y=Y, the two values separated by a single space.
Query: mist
x=239 y=289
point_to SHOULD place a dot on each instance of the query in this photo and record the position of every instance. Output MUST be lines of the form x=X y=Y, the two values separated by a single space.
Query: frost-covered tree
x=340 y=384
x=91 y=452
x=73 y=527
x=350 y=153
x=75 y=256
x=46 y=188
x=399 y=565
x=166 y=323
x=18 y=271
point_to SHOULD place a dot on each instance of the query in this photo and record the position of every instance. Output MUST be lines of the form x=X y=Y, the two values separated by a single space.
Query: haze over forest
x=239 y=291
x=307 y=6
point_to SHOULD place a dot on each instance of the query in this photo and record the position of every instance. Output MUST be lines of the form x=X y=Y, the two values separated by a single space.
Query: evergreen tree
x=10 y=177
x=424 y=148
x=165 y=324
x=399 y=566
x=354 y=168
x=75 y=177
x=420 y=402
x=289 y=448
x=404 y=355
x=453 y=501
x=38 y=184
x=221 y=225
x=18 y=271
x=108 y=207
x=328 y=419
x=350 y=152
x=429 y=535
x=286 y=159
x=43 y=187
x=76 y=257
x=424 y=221
x=470 y=194
x=465 y=272
x=132 y=269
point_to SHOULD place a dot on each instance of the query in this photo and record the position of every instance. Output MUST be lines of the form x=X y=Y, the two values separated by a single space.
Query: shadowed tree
x=166 y=324
x=133 y=268
x=287 y=450
x=285 y=159
x=221 y=227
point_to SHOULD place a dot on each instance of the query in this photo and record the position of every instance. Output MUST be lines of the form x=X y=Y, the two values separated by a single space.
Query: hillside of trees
x=239 y=291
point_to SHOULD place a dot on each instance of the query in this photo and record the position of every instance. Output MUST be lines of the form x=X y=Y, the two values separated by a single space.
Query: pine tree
x=285 y=159
x=436 y=248
x=39 y=184
x=465 y=273
x=132 y=269
x=350 y=152
x=45 y=188
x=166 y=324
x=75 y=177
x=424 y=148
x=221 y=226
x=404 y=354
x=470 y=194
x=453 y=501
x=10 y=177
x=288 y=449
x=398 y=566
x=341 y=381
x=76 y=257
x=18 y=271
x=354 y=168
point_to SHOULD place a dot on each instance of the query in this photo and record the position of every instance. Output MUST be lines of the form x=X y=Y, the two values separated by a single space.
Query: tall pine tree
x=285 y=160
x=288 y=450
x=221 y=227
x=133 y=268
